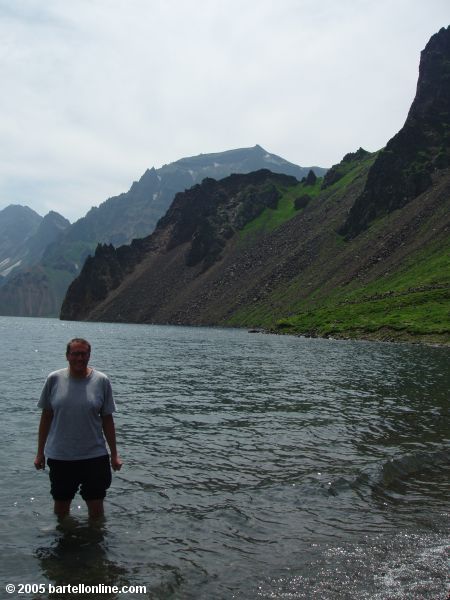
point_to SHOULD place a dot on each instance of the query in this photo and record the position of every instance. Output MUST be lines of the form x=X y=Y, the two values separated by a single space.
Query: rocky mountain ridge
x=121 y=219
x=361 y=251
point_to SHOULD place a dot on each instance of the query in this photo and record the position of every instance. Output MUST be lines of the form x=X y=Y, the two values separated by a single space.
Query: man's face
x=78 y=358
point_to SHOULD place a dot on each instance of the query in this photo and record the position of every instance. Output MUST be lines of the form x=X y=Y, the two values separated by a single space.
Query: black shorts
x=92 y=474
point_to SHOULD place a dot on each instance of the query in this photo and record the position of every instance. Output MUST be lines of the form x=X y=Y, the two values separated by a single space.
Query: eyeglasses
x=80 y=354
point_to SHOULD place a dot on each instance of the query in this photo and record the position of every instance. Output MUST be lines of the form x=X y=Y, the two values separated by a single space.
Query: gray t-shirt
x=78 y=406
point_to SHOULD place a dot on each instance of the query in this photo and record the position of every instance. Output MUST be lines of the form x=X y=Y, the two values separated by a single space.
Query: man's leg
x=62 y=507
x=96 y=480
x=95 y=508
x=64 y=485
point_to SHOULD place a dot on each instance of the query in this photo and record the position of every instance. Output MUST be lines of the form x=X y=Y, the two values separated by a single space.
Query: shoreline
x=385 y=335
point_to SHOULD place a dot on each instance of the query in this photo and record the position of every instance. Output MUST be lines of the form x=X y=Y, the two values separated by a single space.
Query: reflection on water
x=79 y=554
x=255 y=466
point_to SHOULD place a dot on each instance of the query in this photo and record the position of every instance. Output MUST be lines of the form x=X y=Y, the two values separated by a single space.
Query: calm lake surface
x=256 y=466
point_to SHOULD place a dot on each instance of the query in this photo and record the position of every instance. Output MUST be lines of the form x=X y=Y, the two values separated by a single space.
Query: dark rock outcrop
x=207 y=215
x=338 y=171
x=302 y=201
x=101 y=274
x=310 y=179
x=404 y=168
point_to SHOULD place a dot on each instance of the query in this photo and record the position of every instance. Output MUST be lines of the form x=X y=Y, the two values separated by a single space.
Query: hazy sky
x=96 y=91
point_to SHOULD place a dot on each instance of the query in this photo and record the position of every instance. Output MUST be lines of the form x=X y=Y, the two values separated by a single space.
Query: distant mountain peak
x=56 y=216
x=135 y=213
x=238 y=160
x=16 y=209
x=259 y=149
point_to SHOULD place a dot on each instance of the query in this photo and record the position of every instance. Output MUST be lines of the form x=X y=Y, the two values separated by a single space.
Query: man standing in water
x=77 y=415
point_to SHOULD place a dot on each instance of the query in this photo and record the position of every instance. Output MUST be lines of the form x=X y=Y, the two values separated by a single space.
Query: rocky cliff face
x=404 y=168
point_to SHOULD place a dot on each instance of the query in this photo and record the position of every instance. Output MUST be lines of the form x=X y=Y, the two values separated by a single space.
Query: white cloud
x=96 y=91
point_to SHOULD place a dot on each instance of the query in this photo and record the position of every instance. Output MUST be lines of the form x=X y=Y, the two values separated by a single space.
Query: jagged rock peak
x=150 y=176
x=149 y=173
x=403 y=169
x=310 y=179
x=338 y=171
x=433 y=86
x=52 y=215
x=358 y=155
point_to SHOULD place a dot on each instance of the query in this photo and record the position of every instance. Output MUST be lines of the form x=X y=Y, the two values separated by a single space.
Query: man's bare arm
x=44 y=428
x=110 y=434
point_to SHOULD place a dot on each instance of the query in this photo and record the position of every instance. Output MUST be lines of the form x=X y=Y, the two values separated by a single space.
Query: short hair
x=79 y=341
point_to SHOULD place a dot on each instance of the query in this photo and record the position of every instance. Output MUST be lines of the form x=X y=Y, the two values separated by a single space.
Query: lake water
x=256 y=466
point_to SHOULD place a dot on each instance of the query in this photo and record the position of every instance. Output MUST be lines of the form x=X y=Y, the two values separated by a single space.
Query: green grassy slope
x=412 y=303
x=409 y=299
x=270 y=218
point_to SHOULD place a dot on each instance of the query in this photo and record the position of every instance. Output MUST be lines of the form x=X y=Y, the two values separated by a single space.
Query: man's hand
x=116 y=463
x=39 y=461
